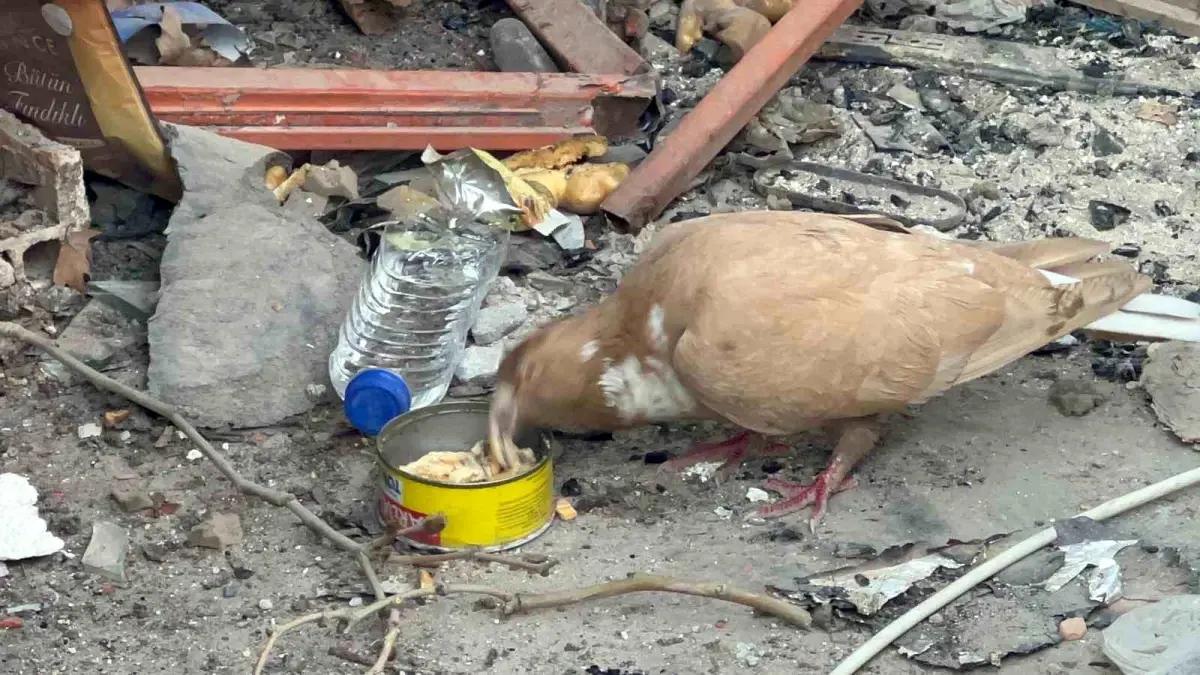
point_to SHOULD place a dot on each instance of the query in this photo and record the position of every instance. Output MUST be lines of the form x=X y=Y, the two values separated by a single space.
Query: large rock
x=252 y=293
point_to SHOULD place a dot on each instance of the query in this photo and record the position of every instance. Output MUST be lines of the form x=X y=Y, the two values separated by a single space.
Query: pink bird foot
x=734 y=451
x=797 y=496
x=857 y=439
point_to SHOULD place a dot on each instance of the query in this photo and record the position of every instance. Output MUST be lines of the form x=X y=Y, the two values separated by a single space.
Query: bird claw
x=732 y=451
x=797 y=497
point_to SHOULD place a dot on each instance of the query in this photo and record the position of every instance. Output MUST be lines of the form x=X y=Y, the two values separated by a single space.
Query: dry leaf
x=172 y=42
x=1153 y=111
x=426 y=578
x=74 y=265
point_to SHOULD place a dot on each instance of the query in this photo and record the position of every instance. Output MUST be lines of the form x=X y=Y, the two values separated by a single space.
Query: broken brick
x=55 y=172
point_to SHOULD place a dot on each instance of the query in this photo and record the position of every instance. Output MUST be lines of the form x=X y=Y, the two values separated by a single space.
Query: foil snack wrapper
x=474 y=182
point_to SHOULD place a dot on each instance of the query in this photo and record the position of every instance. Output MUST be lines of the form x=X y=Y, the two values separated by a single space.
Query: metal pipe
x=720 y=115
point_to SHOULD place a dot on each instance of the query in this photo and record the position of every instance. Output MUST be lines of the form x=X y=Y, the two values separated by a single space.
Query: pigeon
x=787 y=322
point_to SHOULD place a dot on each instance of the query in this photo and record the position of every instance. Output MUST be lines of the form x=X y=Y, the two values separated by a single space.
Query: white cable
x=867 y=651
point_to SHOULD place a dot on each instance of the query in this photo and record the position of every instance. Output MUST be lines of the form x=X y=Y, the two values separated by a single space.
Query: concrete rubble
x=479 y=365
x=106 y=551
x=496 y=321
x=252 y=293
x=52 y=173
x=220 y=531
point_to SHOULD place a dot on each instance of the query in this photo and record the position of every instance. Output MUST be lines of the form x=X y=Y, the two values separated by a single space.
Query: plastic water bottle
x=419 y=297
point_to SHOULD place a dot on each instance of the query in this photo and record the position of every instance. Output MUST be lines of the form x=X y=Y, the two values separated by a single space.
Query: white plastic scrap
x=89 y=430
x=1104 y=583
x=704 y=471
x=23 y=533
x=884 y=583
x=756 y=495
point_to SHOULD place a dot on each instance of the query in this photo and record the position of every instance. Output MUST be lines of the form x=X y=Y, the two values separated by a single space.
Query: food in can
x=460 y=468
x=498 y=514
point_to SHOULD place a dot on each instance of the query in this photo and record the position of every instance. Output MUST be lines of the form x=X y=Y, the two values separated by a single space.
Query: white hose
x=867 y=651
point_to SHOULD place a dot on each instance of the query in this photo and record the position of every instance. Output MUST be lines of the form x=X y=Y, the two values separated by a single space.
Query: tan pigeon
x=784 y=322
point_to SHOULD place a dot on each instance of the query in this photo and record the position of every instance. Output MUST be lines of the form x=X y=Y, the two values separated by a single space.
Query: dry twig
x=541 y=566
x=509 y=603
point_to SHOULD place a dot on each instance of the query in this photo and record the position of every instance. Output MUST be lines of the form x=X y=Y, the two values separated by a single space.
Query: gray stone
x=97 y=334
x=479 y=365
x=105 y=554
x=1170 y=377
x=131 y=499
x=332 y=180
x=496 y=321
x=1076 y=397
x=220 y=531
x=571 y=237
x=1105 y=143
x=218 y=173
x=134 y=299
x=252 y=294
x=1045 y=133
x=8 y=276
x=516 y=50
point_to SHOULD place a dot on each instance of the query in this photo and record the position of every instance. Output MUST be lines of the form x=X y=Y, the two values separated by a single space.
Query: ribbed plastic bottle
x=419 y=297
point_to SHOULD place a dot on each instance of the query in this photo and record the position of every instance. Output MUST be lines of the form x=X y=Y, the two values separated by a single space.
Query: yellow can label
x=481 y=516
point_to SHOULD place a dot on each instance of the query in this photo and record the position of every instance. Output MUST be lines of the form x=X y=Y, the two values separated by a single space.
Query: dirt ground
x=990 y=459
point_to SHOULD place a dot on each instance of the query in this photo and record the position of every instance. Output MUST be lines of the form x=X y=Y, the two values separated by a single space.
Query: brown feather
x=785 y=321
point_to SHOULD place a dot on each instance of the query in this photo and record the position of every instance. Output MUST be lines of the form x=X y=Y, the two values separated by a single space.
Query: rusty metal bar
x=302 y=109
x=730 y=105
x=577 y=38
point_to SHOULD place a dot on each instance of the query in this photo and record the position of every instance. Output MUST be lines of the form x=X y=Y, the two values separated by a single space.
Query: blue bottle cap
x=375 y=397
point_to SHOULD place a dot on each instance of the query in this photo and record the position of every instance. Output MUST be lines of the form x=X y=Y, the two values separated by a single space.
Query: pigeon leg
x=857 y=439
x=733 y=451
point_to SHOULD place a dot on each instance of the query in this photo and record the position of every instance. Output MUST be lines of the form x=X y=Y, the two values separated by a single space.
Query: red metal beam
x=736 y=99
x=303 y=109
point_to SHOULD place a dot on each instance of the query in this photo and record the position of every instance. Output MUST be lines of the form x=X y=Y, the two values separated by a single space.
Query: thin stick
x=429 y=525
x=541 y=568
x=522 y=603
x=276 y=631
x=389 y=643
x=348 y=654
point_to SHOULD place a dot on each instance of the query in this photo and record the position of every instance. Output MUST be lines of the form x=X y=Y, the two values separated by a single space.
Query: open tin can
x=489 y=516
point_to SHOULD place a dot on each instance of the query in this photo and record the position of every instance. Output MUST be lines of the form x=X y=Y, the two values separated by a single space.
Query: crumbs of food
x=464 y=468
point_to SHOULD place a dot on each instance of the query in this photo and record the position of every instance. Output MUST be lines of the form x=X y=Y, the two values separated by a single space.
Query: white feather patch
x=649 y=391
x=588 y=350
x=657 y=325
